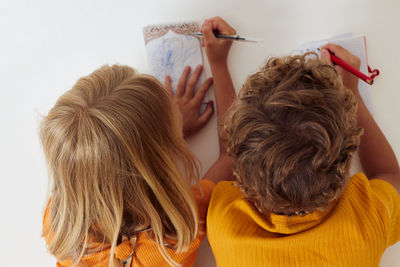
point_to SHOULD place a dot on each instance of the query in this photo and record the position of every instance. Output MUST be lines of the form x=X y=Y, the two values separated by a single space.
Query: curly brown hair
x=292 y=132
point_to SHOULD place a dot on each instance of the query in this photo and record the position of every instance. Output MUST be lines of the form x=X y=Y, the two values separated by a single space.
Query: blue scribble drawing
x=171 y=53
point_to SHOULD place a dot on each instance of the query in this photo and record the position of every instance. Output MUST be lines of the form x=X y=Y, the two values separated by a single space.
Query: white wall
x=46 y=45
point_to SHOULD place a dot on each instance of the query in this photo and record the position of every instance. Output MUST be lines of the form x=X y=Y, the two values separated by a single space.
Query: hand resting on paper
x=189 y=101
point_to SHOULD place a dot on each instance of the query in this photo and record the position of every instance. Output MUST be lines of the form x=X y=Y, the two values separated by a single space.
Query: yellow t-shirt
x=354 y=232
x=146 y=252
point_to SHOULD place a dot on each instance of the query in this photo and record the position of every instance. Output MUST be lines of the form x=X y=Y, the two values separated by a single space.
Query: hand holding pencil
x=349 y=80
x=217 y=49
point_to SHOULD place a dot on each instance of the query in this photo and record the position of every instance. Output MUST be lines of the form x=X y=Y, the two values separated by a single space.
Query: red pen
x=349 y=68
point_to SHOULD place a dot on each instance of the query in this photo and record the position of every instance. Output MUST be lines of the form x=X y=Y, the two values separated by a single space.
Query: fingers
x=205 y=117
x=335 y=49
x=220 y=25
x=326 y=56
x=168 y=85
x=208 y=34
x=191 y=84
x=343 y=54
x=216 y=24
x=188 y=88
x=180 y=90
x=203 y=89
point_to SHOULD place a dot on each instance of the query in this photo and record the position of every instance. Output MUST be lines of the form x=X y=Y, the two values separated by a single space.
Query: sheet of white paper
x=356 y=45
x=171 y=53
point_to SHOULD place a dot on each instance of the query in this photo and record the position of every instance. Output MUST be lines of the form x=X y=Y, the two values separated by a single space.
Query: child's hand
x=349 y=80
x=189 y=103
x=216 y=49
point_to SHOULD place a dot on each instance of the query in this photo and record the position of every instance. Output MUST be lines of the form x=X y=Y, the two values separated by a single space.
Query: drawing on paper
x=169 y=50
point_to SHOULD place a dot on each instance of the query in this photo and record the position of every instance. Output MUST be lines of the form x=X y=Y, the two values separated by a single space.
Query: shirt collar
x=284 y=224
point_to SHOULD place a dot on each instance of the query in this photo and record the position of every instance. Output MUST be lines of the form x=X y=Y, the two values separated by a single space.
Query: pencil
x=229 y=37
x=349 y=68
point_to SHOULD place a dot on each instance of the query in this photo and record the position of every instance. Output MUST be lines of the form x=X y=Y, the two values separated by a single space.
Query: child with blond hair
x=115 y=149
x=292 y=133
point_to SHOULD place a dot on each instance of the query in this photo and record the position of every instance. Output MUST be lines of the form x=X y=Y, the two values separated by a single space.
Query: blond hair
x=292 y=133
x=114 y=147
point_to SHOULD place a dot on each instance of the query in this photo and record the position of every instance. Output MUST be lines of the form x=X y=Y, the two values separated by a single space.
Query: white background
x=45 y=46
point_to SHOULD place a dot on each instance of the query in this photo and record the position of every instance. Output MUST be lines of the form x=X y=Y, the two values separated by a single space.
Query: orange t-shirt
x=146 y=250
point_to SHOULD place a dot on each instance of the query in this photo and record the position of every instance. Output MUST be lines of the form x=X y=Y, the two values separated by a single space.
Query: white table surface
x=46 y=45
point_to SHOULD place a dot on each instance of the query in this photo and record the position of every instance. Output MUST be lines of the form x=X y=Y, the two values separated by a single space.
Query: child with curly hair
x=292 y=133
